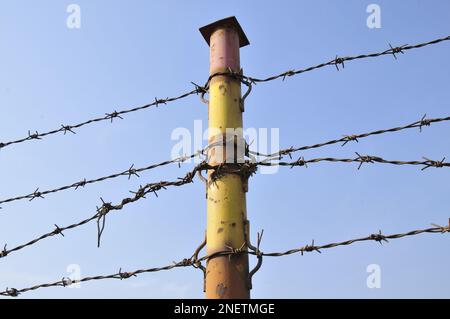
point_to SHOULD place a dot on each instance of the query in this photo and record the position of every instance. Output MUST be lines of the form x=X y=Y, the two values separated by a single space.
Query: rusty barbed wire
x=247 y=80
x=355 y=137
x=193 y=260
x=336 y=61
x=65 y=282
x=378 y=237
x=107 y=117
x=132 y=171
x=107 y=207
x=245 y=170
x=361 y=159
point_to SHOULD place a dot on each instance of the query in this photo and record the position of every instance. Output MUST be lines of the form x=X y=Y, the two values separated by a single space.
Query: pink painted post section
x=224 y=50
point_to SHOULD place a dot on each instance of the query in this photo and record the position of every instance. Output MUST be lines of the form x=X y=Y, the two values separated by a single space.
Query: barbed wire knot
x=300 y=162
x=67 y=128
x=199 y=89
x=140 y=193
x=160 y=101
x=424 y=122
x=349 y=138
x=34 y=136
x=288 y=73
x=432 y=163
x=36 y=194
x=132 y=171
x=443 y=229
x=337 y=60
x=379 y=237
x=12 y=292
x=125 y=275
x=395 y=50
x=65 y=281
x=364 y=159
x=58 y=231
x=113 y=115
x=309 y=248
x=235 y=251
x=80 y=184
x=186 y=262
x=4 y=252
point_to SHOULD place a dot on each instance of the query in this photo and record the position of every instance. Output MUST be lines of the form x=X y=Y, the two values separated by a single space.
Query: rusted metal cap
x=230 y=22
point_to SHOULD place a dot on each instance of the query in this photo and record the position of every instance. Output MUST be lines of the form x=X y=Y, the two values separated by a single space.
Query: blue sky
x=126 y=53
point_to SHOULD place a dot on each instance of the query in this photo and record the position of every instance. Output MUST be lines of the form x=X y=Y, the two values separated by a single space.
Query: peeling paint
x=221 y=290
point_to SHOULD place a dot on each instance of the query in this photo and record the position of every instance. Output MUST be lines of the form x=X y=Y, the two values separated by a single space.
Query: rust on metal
x=230 y=22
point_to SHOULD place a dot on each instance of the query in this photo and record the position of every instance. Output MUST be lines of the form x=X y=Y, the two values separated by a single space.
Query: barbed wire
x=361 y=159
x=243 y=169
x=195 y=262
x=107 y=117
x=248 y=80
x=107 y=207
x=132 y=171
x=246 y=169
x=355 y=137
x=336 y=62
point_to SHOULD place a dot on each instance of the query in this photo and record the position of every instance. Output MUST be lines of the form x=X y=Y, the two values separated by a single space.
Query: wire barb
x=107 y=207
x=363 y=159
x=67 y=128
x=113 y=115
x=288 y=74
x=132 y=171
x=349 y=138
x=36 y=194
x=309 y=248
x=125 y=275
x=236 y=75
x=395 y=50
x=12 y=292
x=129 y=172
x=424 y=122
x=58 y=231
x=430 y=163
x=337 y=60
x=34 y=136
x=379 y=237
x=4 y=252
x=65 y=282
x=188 y=262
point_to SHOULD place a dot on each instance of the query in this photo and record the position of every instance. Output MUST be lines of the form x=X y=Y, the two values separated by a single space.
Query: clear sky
x=128 y=52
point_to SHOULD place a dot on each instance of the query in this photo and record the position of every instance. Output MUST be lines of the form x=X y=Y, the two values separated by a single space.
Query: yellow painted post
x=226 y=276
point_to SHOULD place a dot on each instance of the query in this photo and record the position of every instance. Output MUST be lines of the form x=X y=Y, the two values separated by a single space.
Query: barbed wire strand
x=361 y=159
x=192 y=262
x=107 y=117
x=336 y=62
x=248 y=80
x=132 y=171
x=245 y=169
x=355 y=137
x=107 y=207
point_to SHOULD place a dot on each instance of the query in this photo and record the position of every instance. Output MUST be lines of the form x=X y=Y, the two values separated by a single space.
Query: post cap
x=232 y=22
